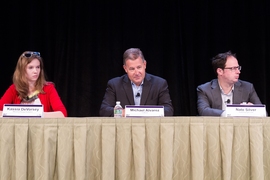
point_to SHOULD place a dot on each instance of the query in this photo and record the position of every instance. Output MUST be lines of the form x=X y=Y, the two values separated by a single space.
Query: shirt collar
x=132 y=83
x=223 y=91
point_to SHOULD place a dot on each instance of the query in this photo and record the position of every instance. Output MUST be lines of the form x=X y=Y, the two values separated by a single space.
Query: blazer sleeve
x=165 y=99
x=54 y=100
x=9 y=97
x=205 y=103
x=108 y=102
x=254 y=98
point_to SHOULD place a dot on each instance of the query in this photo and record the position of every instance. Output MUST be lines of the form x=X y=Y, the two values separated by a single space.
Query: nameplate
x=245 y=110
x=22 y=110
x=144 y=111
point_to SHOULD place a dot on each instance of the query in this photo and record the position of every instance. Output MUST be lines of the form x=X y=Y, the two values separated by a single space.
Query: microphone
x=138 y=94
x=228 y=101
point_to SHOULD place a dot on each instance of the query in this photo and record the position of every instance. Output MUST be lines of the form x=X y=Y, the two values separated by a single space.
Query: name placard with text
x=245 y=110
x=22 y=110
x=144 y=111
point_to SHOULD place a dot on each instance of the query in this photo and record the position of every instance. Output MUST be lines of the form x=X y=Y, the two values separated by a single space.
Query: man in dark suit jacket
x=226 y=89
x=136 y=85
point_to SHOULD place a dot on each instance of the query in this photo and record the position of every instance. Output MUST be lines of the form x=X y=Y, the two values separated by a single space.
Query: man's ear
x=219 y=71
x=125 y=68
x=144 y=63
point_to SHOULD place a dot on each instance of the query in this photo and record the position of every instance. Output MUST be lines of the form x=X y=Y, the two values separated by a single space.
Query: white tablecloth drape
x=186 y=148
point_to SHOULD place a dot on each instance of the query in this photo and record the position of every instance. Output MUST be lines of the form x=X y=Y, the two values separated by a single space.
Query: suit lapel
x=237 y=93
x=128 y=90
x=146 y=89
x=216 y=94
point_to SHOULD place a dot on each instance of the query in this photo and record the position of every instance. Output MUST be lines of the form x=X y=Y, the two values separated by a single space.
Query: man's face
x=231 y=72
x=135 y=70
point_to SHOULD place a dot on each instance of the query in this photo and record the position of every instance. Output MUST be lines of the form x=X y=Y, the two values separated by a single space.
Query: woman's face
x=33 y=70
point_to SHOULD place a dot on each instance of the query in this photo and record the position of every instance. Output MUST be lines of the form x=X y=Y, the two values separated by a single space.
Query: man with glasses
x=213 y=96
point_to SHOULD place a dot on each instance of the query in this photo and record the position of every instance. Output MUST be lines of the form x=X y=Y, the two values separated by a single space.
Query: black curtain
x=82 y=43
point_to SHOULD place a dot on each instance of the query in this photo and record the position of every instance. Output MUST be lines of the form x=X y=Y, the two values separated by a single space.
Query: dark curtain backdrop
x=82 y=43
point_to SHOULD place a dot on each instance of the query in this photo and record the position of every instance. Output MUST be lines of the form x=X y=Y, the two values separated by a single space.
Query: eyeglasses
x=234 y=68
x=29 y=54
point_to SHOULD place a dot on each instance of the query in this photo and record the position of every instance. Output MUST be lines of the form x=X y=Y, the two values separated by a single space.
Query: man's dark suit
x=155 y=92
x=209 y=97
